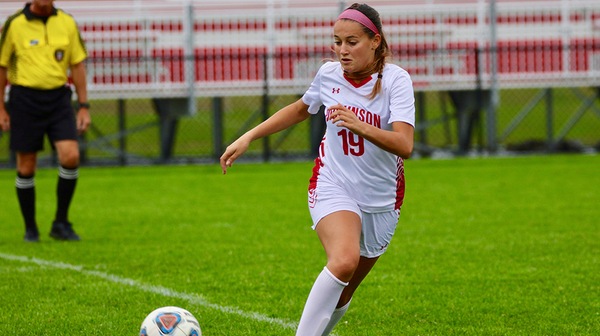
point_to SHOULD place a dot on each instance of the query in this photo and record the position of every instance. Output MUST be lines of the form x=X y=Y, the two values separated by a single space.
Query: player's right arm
x=282 y=119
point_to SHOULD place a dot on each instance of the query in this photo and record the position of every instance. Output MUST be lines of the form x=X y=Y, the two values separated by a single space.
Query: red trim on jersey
x=400 y=184
x=312 y=184
x=361 y=83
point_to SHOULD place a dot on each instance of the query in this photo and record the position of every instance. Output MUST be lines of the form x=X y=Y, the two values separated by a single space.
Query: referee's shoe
x=63 y=231
x=31 y=235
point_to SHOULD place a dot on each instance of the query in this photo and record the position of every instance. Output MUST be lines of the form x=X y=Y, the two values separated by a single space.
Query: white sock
x=335 y=318
x=320 y=304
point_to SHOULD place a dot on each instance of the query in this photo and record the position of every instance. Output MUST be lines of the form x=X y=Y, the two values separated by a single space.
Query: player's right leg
x=339 y=233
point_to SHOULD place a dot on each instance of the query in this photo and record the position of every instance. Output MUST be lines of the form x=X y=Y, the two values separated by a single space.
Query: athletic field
x=485 y=246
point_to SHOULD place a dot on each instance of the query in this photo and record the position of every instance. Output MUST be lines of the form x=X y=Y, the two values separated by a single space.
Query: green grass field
x=486 y=246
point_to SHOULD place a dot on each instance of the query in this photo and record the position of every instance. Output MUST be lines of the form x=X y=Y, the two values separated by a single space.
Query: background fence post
x=265 y=106
x=189 y=57
x=122 y=128
x=317 y=130
x=492 y=145
x=549 y=120
x=421 y=117
x=217 y=107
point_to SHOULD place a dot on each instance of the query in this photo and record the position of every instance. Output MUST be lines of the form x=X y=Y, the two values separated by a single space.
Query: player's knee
x=344 y=266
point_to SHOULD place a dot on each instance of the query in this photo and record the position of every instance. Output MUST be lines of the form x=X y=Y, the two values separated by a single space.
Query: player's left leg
x=364 y=267
x=377 y=232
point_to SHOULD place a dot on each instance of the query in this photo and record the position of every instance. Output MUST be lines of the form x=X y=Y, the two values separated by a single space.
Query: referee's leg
x=68 y=173
x=68 y=153
x=26 y=165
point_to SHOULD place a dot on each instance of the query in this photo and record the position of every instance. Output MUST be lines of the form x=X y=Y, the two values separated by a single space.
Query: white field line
x=194 y=299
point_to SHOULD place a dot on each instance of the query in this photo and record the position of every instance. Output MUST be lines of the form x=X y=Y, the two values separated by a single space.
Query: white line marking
x=191 y=298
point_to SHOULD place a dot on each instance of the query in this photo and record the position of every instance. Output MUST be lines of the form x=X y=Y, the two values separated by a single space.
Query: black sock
x=26 y=195
x=67 y=180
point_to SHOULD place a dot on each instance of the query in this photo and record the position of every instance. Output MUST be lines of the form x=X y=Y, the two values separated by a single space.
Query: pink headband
x=358 y=16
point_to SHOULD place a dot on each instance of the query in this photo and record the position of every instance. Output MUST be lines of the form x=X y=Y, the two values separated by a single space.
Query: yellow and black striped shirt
x=39 y=51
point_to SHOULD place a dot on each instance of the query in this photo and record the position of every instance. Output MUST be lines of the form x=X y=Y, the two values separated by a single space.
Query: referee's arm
x=79 y=80
x=4 y=119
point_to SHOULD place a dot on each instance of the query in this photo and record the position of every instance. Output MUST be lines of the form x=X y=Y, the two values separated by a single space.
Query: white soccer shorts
x=377 y=228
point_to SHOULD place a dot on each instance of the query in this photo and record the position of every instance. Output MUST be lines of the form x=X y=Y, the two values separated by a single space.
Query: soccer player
x=357 y=186
x=38 y=46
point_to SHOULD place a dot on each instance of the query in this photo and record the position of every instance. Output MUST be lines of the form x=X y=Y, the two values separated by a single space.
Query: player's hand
x=83 y=120
x=233 y=151
x=4 y=121
x=343 y=117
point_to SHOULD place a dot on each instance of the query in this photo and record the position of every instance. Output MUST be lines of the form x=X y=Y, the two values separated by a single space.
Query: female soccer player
x=357 y=186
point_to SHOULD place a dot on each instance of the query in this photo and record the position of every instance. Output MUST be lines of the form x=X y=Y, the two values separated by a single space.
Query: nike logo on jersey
x=34 y=42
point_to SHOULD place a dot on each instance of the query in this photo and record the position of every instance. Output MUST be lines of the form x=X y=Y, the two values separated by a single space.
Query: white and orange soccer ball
x=170 y=321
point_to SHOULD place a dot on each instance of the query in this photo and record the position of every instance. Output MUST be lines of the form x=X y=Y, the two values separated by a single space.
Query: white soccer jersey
x=373 y=177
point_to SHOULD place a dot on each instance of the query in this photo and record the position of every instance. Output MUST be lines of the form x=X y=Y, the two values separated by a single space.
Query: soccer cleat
x=31 y=236
x=63 y=231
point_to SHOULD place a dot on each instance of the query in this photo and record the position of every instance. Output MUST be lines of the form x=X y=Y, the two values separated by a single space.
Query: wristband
x=83 y=105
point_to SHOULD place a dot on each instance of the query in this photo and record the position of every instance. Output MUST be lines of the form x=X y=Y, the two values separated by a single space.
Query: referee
x=38 y=46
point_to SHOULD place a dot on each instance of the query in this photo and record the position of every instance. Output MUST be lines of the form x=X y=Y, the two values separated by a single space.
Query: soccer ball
x=170 y=321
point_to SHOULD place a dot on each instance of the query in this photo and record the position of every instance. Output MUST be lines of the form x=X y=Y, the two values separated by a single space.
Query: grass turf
x=487 y=246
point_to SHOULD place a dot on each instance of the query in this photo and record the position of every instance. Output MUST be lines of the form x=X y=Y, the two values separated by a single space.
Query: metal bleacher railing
x=190 y=49
x=138 y=48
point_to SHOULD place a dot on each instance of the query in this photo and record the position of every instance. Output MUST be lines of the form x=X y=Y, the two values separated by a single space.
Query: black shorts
x=35 y=113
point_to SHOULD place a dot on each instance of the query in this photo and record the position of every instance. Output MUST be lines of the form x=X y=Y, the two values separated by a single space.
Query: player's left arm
x=79 y=80
x=399 y=141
